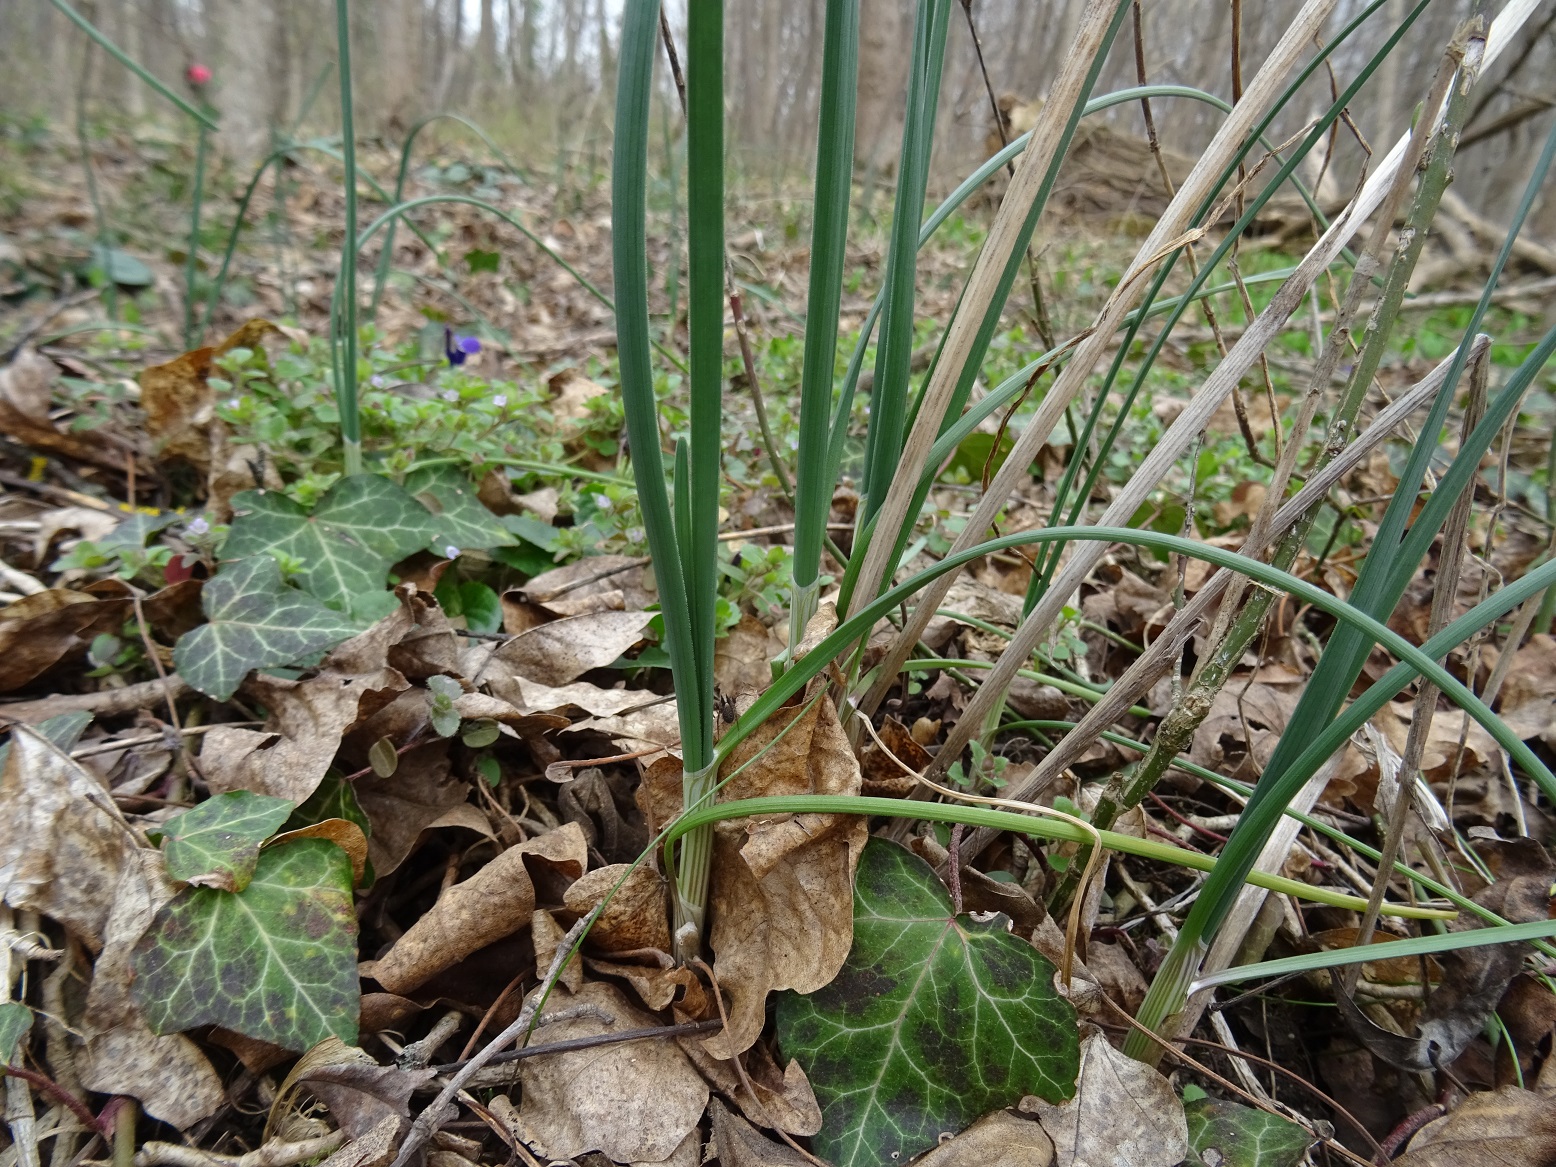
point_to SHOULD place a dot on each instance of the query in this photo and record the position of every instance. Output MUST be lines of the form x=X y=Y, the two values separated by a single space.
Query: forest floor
x=365 y=822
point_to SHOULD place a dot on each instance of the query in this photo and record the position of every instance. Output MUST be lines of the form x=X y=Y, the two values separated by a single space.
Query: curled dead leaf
x=495 y=902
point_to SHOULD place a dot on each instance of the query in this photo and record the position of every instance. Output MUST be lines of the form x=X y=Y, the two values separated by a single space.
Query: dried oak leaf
x=741 y=659
x=180 y=404
x=1123 y=1114
x=637 y=1102
x=119 y=1053
x=1508 y=1127
x=495 y=902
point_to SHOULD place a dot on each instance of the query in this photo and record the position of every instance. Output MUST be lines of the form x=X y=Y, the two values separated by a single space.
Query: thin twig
x=275 y=1153
x=442 y=1108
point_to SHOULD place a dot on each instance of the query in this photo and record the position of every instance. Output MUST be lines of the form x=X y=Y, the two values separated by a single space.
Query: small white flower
x=198 y=526
x=500 y=400
x=450 y=395
x=376 y=381
x=234 y=403
x=451 y=552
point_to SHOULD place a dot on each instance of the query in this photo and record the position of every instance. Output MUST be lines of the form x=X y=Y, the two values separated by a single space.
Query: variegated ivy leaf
x=934 y=1021
x=256 y=622
x=217 y=843
x=1228 y=1134
x=276 y=961
x=460 y=520
x=15 y=1024
x=345 y=546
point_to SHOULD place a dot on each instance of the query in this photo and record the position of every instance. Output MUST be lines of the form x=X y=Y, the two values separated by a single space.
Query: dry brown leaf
x=570 y=405
x=418 y=795
x=778 y=1100
x=881 y=773
x=180 y=404
x=360 y=1093
x=636 y=1102
x=119 y=1053
x=1508 y=1127
x=590 y=698
x=374 y=1149
x=561 y=651
x=1000 y=1139
x=1529 y=694
x=1245 y=721
x=592 y=575
x=26 y=395
x=1124 y=1113
x=66 y=852
x=547 y=935
x=641 y=728
x=741 y=659
x=1442 y=740
x=739 y=1144
x=636 y=916
x=63 y=844
x=308 y=719
x=495 y=902
x=781 y=903
x=38 y=631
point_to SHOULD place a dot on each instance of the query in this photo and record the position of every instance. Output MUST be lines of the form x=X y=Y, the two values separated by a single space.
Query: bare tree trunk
x=248 y=74
x=885 y=46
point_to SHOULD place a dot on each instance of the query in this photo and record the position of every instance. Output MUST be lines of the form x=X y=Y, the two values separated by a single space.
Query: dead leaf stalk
x=275 y=1153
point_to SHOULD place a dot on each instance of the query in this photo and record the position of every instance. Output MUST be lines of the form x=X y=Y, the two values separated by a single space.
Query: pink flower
x=198 y=74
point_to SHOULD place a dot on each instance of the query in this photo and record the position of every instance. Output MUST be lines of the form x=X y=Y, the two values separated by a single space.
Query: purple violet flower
x=457 y=348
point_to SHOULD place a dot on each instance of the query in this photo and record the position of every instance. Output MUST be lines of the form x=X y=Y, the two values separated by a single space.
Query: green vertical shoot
x=889 y=394
x=346 y=365
x=829 y=233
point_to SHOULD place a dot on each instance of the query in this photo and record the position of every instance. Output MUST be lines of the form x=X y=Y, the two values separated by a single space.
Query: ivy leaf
x=459 y=518
x=217 y=843
x=276 y=961
x=934 y=1021
x=15 y=1024
x=1227 y=1134
x=361 y=527
x=256 y=622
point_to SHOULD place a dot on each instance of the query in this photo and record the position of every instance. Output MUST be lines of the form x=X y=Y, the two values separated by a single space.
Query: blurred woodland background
x=539 y=75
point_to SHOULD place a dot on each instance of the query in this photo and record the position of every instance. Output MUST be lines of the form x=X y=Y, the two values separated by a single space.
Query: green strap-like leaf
x=257 y=622
x=217 y=843
x=1226 y=1134
x=934 y=1021
x=345 y=546
x=276 y=961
